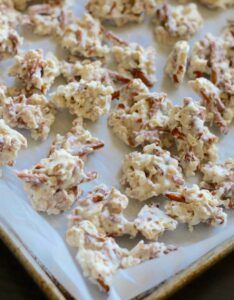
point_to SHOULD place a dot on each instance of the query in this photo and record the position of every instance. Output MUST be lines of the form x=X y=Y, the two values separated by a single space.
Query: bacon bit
x=121 y=106
x=140 y=120
x=105 y=287
x=131 y=141
x=198 y=74
x=97 y=198
x=137 y=73
x=175 y=197
x=38 y=166
x=176 y=133
x=181 y=68
x=175 y=79
x=115 y=95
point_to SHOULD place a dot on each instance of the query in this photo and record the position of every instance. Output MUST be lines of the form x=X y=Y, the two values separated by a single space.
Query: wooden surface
x=216 y=284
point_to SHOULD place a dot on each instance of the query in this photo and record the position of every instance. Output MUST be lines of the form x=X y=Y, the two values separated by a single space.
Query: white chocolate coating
x=11 y=142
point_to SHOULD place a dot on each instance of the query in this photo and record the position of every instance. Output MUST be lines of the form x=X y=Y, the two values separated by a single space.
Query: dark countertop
x=216 y=284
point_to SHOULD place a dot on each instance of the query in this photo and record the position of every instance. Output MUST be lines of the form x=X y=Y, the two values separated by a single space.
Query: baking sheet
x=44 y=235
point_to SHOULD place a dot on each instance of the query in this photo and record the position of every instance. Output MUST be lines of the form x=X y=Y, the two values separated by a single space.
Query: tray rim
x=55 y=291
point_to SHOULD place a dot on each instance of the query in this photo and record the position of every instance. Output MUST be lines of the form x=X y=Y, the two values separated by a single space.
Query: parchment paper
x=44 y=235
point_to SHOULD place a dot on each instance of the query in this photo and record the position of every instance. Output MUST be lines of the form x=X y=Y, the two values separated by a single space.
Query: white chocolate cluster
x=136 y=62
x=33 y=113
x=105 y=208
x=11 y=142
x=88 y=100
x=10 y=40
x=53 y=183
x=140 y=117
x=219 y=109
x=78 y=141
x=219 y=180
x=152 y=222
x=173 y=23
x=34 y=71
x=193 y=206
x=177 y=62
x=195 y=144
x=151 y=173
x=48 y=18
x=121 y=12
x=84 y=37
x=100 y=257
x=212 y=57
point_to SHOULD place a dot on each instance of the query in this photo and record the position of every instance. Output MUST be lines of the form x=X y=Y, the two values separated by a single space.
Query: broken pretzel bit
x=105 y=209
x=212 y=57
x=177 y=62
x=88 y=100
x=150 y=173
x=11 y=142
x=34 y=71
x=195 y=144
x=193 y=206
x=173 y=23
x=53 y=184
x=78 y=141
x=84 y=37
x=219 y=180
x=48 y=19
x=220 y=111
x=120 y=12
x=135 y=61
x=140 y=117
x=33 y=113
x=100 y=257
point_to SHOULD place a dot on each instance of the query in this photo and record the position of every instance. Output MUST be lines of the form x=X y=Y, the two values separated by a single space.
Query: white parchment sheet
x=44 y=235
